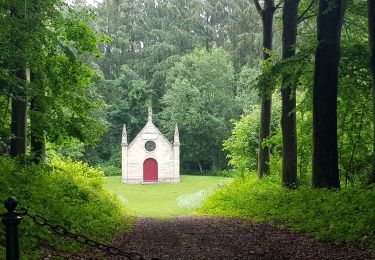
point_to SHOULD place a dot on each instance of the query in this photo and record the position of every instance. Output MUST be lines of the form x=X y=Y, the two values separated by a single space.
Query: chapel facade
x=150 y=157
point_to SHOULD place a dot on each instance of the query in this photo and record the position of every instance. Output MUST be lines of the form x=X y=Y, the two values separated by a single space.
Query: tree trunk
x=371 y=29
x=264 y=133
x=266 y=103
x=19 y=118
x=38 y=148
x=288 y=94
x=327 y=56
x=200 y=167
x=207 y=41
x=37 y=134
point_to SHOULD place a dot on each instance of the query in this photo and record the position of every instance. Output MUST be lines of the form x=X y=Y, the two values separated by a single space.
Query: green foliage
x=110 y=169
x=247 y=91
x=217 y=172
x=200 y=100
x=346 y=215
x=69 y=148
x=304 y=136
x=242 y=145
x=127 y=100
x=151 y=36
x=355 y=122
x=71 y=194
x=354 y=105
x=52 y=41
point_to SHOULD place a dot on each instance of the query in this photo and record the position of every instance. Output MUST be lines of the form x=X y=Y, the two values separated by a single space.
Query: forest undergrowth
x=345 y=215
x=67 y=193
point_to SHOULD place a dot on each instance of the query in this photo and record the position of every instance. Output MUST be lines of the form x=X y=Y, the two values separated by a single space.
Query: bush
x=222 y=173
x=71 y=194
x=243 y=144
x=110 y=169
x=345 y=215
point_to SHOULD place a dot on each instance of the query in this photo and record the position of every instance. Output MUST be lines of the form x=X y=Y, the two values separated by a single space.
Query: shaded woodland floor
x=223 y=238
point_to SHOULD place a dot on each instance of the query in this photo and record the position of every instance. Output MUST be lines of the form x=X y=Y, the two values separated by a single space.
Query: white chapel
x=150 y=157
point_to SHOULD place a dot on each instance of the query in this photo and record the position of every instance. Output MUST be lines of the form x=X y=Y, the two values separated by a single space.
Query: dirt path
x=211 y=238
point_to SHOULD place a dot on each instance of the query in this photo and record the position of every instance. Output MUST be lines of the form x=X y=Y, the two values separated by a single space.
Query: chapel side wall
x=124 y=161
x=135 y=165
x=166 y=160
x=176 y=162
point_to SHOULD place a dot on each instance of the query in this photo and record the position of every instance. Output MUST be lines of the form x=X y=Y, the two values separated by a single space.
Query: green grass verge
x=163 y=200
x=346 y=215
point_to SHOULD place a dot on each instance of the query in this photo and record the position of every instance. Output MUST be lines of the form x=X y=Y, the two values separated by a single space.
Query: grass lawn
x=163 y=200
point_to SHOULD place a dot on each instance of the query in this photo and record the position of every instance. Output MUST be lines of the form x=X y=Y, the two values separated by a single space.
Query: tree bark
x=37 y=135
x=288 y=95
x=200 y=167
x=327 y=56
x=371 y=29
x=266 y=104
x=19 y=118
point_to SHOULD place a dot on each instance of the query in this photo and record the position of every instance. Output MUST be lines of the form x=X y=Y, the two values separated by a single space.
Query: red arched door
x=150 y=170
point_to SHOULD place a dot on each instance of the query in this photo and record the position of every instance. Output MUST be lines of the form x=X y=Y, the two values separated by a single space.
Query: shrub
x=221 y=173
x=68 y=193
x=242 y=145
x=345 y=215
x=110 y=169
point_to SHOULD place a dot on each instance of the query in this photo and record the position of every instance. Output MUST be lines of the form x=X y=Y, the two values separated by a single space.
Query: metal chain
x=62 y=231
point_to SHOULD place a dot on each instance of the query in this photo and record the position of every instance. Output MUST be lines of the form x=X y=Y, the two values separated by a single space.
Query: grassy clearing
x=165 y=200
x=346 y=215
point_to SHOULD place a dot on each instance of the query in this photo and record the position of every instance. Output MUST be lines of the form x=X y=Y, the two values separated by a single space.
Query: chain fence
x=62 y=231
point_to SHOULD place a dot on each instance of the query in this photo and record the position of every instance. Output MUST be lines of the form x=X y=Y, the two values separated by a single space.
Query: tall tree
x=151 y=36
x=53 y=46
x=111 y=21
x=371 y=29
x=266 y=14
x=129 y=99
x=288 y=95
x=200 y=99
x=327 y=56
x=19 y=116
x=18 y=23
x=37 y=133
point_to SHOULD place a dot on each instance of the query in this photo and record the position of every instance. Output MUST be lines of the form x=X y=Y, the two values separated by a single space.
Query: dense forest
x=216 y=66
x=186 y=59
x=280 y=91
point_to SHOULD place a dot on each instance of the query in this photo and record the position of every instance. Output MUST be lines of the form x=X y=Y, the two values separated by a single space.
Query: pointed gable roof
x=150 y=125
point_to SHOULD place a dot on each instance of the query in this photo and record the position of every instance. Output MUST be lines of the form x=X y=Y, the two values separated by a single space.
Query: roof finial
x=124 y=138
x=150 y=113
x=176 y=135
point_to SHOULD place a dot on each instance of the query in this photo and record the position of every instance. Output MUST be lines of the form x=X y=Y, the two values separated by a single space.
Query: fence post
x=11 y=220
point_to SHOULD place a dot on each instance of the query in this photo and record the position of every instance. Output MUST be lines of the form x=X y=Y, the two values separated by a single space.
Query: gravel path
x=222 y=238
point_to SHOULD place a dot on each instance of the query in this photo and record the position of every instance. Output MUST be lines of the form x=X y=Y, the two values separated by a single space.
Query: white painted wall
x=166 y=154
